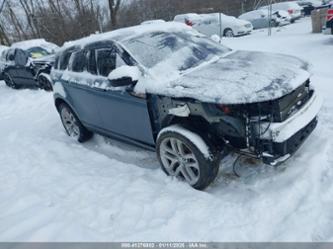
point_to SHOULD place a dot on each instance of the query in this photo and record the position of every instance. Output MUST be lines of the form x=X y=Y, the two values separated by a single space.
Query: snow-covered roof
x=35 y=43
x=126 y=33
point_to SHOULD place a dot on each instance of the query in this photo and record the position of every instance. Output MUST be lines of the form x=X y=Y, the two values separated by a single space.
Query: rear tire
x=9 y=81
x=44 y=83
x=72 y=124
x=274 y=24
x=180 y=157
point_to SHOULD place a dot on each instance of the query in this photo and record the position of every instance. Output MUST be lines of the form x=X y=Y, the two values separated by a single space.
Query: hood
x=241 y=77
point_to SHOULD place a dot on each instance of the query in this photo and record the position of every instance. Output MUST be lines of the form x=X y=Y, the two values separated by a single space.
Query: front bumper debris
x=281 y=131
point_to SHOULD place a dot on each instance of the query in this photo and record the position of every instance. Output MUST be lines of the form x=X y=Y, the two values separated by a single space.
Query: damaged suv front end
x=271 y=130
x=258 y=104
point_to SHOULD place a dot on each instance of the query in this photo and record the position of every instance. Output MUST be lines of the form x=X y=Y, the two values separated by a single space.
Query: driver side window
x=106 y=61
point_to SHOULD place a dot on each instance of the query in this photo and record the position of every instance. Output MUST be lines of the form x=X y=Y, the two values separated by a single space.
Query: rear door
x=78 y=85
x=123 y=114
x=24 y=73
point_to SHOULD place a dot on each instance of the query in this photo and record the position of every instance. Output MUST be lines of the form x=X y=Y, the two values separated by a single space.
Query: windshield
x=37 y=52
x=179 y=50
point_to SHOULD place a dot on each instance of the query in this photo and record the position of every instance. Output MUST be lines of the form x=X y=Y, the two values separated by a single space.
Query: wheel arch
x=226 y=29
x=195 y=124
x=59 y=100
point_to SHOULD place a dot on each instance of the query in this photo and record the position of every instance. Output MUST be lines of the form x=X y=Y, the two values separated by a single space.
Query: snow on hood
x=236 y=78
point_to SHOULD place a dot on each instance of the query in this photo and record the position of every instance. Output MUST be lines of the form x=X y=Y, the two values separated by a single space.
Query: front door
x=21 y=71
x=123 y=114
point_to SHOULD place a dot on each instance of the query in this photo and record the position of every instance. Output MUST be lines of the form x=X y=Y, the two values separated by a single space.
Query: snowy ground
x=52 y=189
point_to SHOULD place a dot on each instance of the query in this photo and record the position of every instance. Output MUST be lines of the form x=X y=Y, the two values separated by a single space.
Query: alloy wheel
x=70 y=123
x=179 y=161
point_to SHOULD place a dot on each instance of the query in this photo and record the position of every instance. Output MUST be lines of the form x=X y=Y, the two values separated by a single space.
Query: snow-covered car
x=168 y=88
x=294 y=10
x=260 y=18
x=28 y=64
x=328 y=27
x=209 y=24
x=309 y=5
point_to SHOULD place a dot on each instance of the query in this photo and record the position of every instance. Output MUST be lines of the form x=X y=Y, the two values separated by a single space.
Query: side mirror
x=124 y=76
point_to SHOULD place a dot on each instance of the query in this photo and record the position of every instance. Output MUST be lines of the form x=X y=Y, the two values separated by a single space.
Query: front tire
x=72 y=124
x=44 y=83
x=274 y=24
x=179 y=156
x=228 y=33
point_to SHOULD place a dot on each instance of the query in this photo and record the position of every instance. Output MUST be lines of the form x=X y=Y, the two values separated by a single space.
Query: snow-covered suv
x=168 y=87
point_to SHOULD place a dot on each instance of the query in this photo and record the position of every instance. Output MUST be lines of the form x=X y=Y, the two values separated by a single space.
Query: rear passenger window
x=92 y=66
x=106 y=61
x=64 y=60
x=78 y=61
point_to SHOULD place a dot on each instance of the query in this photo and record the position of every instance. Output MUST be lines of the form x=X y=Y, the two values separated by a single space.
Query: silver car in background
x=293 y=9
x=260 y=18
x=209 y=24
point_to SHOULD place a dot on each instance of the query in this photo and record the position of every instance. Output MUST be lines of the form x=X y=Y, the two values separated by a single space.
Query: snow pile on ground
x=53 y=189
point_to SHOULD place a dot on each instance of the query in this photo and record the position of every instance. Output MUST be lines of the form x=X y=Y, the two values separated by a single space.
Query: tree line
x=63 y=20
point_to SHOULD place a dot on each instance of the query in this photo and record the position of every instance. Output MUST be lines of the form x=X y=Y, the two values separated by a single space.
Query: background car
x=209 y=24
x=260 y=19
x=328 y=27
x=293 y=9
x=309 y=5
x=28 y=64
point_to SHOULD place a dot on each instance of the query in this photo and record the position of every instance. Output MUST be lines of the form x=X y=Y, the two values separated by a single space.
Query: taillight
x=290 y=11
x=329 y=16
x=226 y=109
x=188 y=22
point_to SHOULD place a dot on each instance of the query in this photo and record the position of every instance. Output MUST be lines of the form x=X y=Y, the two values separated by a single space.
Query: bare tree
x=2 y=5
x=114 y=6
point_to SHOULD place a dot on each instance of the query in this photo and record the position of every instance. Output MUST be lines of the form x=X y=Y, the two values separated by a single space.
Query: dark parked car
x=328 y=27
x=27 y=66
x=169 y=88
